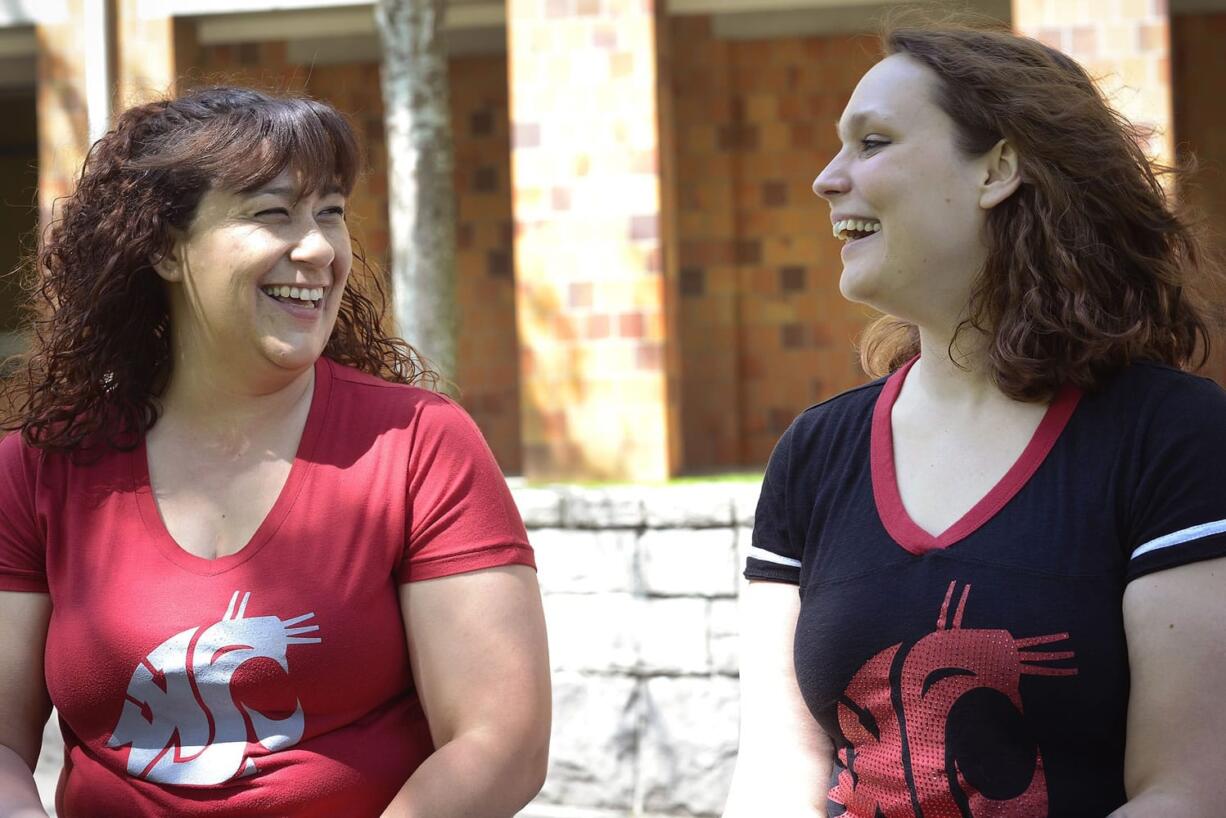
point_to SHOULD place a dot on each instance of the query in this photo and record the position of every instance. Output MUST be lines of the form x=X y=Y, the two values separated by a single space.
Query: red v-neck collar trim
x=898 y=523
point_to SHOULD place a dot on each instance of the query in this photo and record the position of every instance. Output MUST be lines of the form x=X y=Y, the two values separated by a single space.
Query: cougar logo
x=179 y=715
x=894 y=715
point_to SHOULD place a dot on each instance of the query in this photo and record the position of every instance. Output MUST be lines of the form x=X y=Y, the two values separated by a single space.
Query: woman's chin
x=293 y=357
x=858 y=288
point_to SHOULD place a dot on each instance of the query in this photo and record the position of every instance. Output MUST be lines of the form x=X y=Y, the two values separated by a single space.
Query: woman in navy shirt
x=1010 y=551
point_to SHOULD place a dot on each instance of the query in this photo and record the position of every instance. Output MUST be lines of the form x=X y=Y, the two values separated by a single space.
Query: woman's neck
x=953 y=369
x=210 y=403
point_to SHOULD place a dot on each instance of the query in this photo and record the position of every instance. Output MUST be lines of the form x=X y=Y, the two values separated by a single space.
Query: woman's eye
x=872 y=144
x=273 y=211
x=338 y=212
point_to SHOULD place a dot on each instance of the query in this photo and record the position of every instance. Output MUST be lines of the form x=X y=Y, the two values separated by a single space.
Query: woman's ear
x=1002 y=176
x=169 y=265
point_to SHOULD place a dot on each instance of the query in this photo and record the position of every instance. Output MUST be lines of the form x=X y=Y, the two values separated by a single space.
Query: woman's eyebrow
x=858 y=119
x=291 y=192
x=287 y=191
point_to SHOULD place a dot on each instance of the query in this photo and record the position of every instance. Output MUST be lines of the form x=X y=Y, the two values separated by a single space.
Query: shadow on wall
x=18 y=206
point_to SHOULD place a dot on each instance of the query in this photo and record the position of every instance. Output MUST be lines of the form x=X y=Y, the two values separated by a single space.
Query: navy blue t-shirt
x=984 y=671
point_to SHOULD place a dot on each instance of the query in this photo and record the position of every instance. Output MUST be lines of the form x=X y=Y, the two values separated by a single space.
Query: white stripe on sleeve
x=771 y=556
x=1196 y=532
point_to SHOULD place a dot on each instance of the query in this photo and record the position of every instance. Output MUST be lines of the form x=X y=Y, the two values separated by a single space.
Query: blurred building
x=647 y=283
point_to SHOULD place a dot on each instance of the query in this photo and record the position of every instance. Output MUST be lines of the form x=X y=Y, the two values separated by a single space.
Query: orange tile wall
x=764 y=331
x=488 y=355
x=488 y=364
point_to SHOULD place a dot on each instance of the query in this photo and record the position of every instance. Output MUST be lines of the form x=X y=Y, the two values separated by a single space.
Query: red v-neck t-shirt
x=274 y=681
x=984 y=671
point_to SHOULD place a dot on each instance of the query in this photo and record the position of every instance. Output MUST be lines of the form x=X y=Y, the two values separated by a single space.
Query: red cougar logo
x=937 y=671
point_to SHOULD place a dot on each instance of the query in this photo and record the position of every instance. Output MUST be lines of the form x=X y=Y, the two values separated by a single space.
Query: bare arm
x=480 y=661
x=784 y=760
x=24 y=706
x=1176 y=624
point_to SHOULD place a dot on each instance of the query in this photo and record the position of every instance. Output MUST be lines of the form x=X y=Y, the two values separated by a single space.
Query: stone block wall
x=640 y=588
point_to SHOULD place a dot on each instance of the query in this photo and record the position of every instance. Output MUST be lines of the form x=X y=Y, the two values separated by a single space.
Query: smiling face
x=910 y=202
x=256 y=279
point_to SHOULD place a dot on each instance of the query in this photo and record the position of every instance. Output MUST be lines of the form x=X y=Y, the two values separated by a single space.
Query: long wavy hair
x=99 y=338
x=1089 y=265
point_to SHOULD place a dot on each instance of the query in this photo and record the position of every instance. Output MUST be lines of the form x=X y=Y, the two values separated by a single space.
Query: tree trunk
x=420 y=162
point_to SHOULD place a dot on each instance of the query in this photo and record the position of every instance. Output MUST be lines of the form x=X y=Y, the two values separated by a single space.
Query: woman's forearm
x=18 y=795
x=472 y=776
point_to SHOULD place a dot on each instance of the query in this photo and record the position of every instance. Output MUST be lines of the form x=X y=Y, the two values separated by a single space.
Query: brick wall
x=488 y=374
x=764 y=331
x=1199 y=66
x=488 y=353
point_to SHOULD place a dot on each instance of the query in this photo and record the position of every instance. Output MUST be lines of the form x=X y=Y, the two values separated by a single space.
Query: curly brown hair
x=1090 y=265
x=99 y=339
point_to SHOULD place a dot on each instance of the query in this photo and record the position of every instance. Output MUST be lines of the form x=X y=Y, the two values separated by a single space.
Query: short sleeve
x=22 y=551
x=1178 y=509
x=461 y=516
x=773 y=554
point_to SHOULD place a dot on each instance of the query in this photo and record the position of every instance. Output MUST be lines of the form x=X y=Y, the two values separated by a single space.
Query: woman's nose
x=313 y=248
x=832 y=181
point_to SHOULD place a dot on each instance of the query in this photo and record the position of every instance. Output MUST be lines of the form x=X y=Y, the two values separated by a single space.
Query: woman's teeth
x=848 y=229
x=312 y=294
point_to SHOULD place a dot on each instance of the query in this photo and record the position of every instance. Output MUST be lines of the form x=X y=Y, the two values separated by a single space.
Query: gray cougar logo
x=179 y=715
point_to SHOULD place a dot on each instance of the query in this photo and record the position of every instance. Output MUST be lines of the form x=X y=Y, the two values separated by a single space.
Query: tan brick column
x=148 y=50
x=1124 y=43
x=146 y=59
x=589 y=240
x=63 y=115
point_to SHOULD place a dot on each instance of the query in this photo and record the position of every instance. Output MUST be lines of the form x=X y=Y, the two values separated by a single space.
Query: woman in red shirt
x=267 y=574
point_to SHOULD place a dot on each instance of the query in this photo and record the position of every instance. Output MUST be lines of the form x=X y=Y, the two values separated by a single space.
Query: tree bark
x=420 y=162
